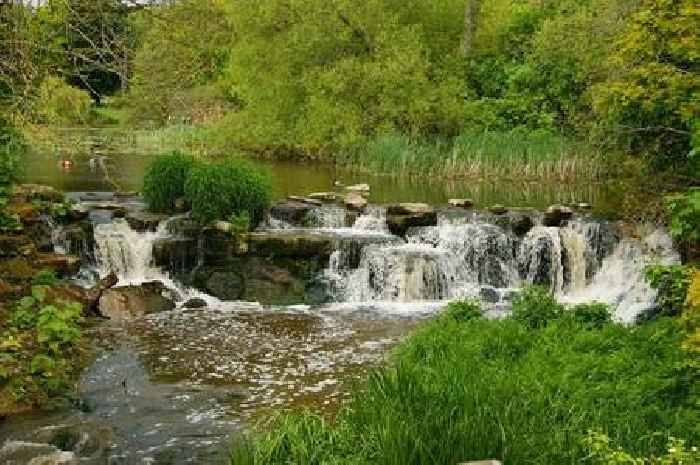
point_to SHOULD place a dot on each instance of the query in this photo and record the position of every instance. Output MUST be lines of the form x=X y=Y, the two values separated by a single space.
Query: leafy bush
x=458 y=391
x=60 y=103
x=240 y=223
x=230 y=187
x=684 y=210
x=671 y=283
x=602 y=452
x=164 y=180
x=535 y=307
x=462 y=310
x=593 y=314
x=11 y=148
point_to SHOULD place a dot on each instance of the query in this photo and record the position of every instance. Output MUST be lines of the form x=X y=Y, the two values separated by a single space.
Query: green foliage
x=462 y=310
x=594 y=314
x=57 y=325
x=164 y=180
x=60 y=104
x=233 y=186
x=602 y=452
x=464 y=390
x=535 y=307
x=240 y=223
x=672 y=284
x=684 y=211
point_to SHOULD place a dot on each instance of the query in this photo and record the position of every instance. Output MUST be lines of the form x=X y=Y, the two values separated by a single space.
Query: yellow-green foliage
x=61 y=104
x=691 y=314
x=602 y=452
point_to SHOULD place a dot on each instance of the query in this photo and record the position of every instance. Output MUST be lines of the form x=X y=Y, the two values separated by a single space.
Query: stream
x=177 y=387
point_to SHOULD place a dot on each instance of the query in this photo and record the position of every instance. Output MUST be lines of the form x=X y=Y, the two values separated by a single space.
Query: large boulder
x=225 y=285
x=402 y=216
x=290 y=245
x=176 y=255
x=29 y=453
x=129 y=302
x=271 y=284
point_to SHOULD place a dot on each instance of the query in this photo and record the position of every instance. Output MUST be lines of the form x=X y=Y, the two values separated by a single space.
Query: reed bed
x=479 y=155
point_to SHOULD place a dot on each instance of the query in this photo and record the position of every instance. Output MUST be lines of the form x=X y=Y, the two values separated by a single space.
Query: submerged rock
x=225 y=285
x=401 y=217
x=128 y=302
x=195 y=303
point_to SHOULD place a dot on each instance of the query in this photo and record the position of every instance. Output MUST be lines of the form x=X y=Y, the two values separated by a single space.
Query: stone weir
x=320 y=250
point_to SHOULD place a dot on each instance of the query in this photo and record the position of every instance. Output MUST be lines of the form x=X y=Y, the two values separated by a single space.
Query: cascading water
x=126 y=252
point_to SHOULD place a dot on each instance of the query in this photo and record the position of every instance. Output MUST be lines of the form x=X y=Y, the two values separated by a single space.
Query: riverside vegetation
x=510 y=88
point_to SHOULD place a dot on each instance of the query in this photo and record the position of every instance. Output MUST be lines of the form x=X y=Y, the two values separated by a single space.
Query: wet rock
x=358 y=187
x=217 y=247
x=87 y=439
x=223 y=226
x=195 y=303
x=78 y=212
x=64 y=265
x=144 y=221
x=489 y=294
x=324 y=196
x=401 y=217
x=291 y=245
x=13 y=246
x=56 y=458
x=268 y=283
x=22 y=453
x=555 y=215
x=355 y=202
x=294 y=212
x=583 y=206
x=176 y=254
x=225 y=285
x=461 y=203
x=184 y=227
x=498 y=209
x=306 y=200
x=181 y=205
x=520 y=222
x=29 y=192
x=128 y=302
x=76 y=239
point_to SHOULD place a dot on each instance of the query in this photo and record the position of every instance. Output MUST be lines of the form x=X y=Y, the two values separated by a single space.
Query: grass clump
x=230 y=187
x=462 y=310
x=535 y=307
x=473 y=388
x=164 y=180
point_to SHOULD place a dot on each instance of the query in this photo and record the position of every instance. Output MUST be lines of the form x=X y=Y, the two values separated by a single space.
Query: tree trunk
x=471 y=14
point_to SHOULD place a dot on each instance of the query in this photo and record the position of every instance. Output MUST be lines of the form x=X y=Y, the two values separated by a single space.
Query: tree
x=471 y=14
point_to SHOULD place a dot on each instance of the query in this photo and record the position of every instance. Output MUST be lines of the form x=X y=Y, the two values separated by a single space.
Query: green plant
x=463 y=310
x=230 y=187
x=684 y=211
x=59 y=103
x=45 y=277
x=594 y=314
x=671 y=283
x=60 y=211
x=602 y=452
x=57 y=325
x=25 y=314
x=535 y=307
x=164 y=180
x=240 y=223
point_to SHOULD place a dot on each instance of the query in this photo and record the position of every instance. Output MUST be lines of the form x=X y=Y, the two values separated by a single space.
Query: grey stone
x=22 y=453
x=489 y=294
x=225 y=285
x=461 y=203
x=555 y=215
x=355 y=202
x=195 y=303
x=401 y=217
x=144 y=221
x=129 y=302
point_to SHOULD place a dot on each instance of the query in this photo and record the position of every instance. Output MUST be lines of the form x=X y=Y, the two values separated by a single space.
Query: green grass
x=468 y=388
x=472 y=155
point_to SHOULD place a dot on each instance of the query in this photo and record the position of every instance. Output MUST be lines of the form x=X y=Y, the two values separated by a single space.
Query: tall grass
x=468 y=388
x=512 y=155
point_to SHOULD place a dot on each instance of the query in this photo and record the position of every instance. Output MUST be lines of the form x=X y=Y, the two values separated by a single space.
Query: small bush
x=684 y=210
x=45 y=277
x=231 y=187
x=164 y=181
x=463 y=310
x=535 y=307
x=593 y=315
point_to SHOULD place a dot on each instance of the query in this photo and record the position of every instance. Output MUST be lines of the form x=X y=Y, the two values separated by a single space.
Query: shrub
x=59 y=103
x=164 y=180
x=45 y=277
x=463 y=310
x=535 y=307
x=684 y=210
x=230 y=187
x=593 y=315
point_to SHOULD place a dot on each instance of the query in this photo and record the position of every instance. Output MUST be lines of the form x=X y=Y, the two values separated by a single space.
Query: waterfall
x=328 y=217
x=373 y=219
x=126 y=252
